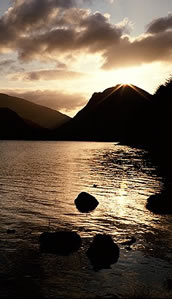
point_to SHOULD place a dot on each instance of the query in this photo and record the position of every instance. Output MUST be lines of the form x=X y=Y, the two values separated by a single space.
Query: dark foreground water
x=38 y=184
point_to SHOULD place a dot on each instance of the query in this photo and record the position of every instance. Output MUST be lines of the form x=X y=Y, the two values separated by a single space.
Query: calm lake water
x=39 y=182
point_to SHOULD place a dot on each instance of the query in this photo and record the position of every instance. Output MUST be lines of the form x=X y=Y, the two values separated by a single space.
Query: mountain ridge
x=118 y=113
x=13 y=127
x=42 y=116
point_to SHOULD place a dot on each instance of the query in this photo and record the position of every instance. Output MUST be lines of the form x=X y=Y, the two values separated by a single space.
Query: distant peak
x=126 y=85
x=121 y=86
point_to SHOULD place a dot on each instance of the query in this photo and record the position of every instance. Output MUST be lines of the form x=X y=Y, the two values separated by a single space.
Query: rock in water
x=160 y=203
x=62 y=242
x=103 y=252
x=85 y=202
x=129 y=242
x=11 y=231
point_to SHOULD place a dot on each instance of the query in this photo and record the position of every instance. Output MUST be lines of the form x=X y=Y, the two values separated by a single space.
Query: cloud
x=126 y=26
x=26 y=17
x=44 y=30
x=160 y=24
x=94 y=34
x=98 y=33
x=58 y=100
x=5 y=63
x=146 y=49
x=37 y=28
x=8 y=66
x=46 y=75
x=25 y=14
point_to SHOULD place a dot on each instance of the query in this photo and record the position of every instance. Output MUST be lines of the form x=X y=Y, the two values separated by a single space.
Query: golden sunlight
x=147 y=77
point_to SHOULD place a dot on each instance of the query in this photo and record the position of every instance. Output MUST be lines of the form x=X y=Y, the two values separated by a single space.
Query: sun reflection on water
x=38 y=190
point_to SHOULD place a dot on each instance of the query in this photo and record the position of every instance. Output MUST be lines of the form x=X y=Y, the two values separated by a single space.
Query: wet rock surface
x=160 y=203
x=85 y=202
x=103 y=252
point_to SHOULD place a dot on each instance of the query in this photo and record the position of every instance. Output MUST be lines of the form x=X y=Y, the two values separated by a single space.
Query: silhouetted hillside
x=163 y=101
x=14 y=127
x=33 y=113
x=122 y=113
x=161 y=148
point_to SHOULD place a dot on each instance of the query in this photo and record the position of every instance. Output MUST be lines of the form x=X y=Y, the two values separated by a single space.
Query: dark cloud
x=57 y=100
x=93 y=35
x=146 y=49
x=26 y=17
x=46 y=75
x=28 y=13
x=36 y=28
x=50 y=29
x=160 y=24
x=98 y=33
x=61 y=65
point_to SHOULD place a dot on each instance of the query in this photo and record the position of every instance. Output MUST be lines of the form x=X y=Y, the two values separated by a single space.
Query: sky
x=57 y=53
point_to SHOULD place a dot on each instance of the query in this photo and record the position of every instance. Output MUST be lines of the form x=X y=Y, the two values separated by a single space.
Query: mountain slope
x=122 y=113
x=14 y=127
x=40 y=115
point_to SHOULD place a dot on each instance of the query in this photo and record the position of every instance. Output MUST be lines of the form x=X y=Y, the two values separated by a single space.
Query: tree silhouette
x=163 y=110
x=163 y=94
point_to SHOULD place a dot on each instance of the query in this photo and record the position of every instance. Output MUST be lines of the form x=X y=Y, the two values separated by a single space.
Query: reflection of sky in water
x=39 y=182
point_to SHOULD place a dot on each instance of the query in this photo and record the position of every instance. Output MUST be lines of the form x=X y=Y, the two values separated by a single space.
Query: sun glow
x=147 y=77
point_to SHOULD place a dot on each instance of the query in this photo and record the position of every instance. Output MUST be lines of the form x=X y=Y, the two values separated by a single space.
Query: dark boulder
x=62 y=242
x=160 y=203
x=85 y=202
x=11 y=231
x=103 y=252
x=169 y=283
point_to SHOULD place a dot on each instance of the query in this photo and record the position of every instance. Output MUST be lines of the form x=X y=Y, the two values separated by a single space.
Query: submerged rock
x=85 y=202
x=160 y=203
x=169 y=283
x=129 y=242
x=103 y=252
x=11 y=231
x=62 y=242
x=128 y=248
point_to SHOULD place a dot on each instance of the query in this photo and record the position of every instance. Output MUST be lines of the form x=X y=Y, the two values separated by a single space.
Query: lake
x=39 y=182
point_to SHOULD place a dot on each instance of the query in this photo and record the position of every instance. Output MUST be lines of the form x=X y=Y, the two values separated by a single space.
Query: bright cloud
x=52 y=40
x=42 y=29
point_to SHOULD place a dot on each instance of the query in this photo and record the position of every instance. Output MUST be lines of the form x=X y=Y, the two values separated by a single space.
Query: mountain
x=13 y=126
x=161 y=149
x=122 y=113
x=163 y=100
x=33 y=113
